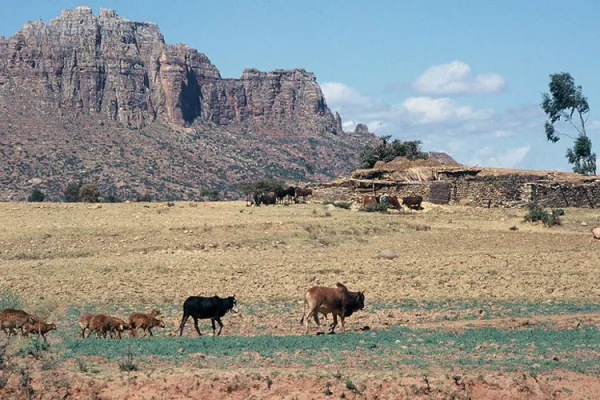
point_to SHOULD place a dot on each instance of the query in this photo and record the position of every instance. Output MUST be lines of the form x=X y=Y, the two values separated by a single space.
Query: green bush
x=537 y=213
x=375 y=207
x=36 y=195
x=9 y=299
x=89 y=193
x=71 y=194
x=558 y=211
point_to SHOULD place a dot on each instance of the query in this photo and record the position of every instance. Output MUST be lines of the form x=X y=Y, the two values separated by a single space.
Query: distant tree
x=386 y=151
x=310 y=168
x=564 y=102
x=261 y=186
x=89 y=193
x=144 y=198
x=71 y=194
x=212 y=194
x=36 y=195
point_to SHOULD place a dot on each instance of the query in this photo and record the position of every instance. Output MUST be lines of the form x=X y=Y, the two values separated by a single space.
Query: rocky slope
x=105 y=99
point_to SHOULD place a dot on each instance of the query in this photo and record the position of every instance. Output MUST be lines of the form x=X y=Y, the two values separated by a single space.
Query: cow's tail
x=303 y=311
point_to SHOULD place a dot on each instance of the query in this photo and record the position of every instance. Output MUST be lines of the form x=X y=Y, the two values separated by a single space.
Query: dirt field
x=469 y=308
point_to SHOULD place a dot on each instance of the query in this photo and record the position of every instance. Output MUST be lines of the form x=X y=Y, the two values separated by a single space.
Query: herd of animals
x=291 y=193
x=280 y=195
x=338 y=301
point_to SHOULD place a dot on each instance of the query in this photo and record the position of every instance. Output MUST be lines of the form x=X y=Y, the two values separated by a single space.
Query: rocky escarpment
x=126 y=72
x=104 y=99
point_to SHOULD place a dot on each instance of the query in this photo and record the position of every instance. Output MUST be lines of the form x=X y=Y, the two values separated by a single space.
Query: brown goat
x=11 y=320
x=104 y=324
x=138 y=320
x=145 y=322
x=84 y=323
x=39 y=327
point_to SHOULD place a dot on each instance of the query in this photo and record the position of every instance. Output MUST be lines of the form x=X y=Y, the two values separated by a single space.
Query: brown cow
x=302 y=192
x=365 y=199
x=413 y=202
x=392 y=201
x=337 y=301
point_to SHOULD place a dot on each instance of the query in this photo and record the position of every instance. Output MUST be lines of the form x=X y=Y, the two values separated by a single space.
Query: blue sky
x=463 y=76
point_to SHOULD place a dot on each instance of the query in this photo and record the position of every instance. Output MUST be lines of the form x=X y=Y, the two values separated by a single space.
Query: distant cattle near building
x=413 y=202
x=302 y=192
x=392 y=202
x=365 y=199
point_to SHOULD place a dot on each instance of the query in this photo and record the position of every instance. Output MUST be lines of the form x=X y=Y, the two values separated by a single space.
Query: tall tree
x=566 y=102
x=386 y=151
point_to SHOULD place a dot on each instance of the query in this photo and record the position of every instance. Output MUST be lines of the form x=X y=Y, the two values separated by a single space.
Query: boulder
x=388 y=254
x=596 y=233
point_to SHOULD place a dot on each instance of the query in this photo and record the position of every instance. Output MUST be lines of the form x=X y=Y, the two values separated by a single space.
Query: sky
x=463 y=76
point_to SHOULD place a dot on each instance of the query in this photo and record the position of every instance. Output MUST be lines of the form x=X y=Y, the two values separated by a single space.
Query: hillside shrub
x=89 y=193
x=9 y=299
x=212 y=194
x=537 y=213
x=71 y=194
x=36 y=195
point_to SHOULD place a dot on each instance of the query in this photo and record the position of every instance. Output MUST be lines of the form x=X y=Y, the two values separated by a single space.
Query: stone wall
x=511 y=191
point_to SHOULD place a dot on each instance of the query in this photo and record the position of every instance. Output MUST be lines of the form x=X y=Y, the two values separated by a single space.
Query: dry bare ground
x=459 y=270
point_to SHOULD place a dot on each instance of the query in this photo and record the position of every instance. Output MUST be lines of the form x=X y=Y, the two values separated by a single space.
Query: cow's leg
x=343 y=327
x=212 y=320
x=316 y=318
x=183 y=321
x=150 y=331
x=220 y=326
x=335 y=322
x=196 y=325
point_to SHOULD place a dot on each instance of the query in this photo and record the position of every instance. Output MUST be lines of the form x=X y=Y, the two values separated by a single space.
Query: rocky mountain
x=106 y=100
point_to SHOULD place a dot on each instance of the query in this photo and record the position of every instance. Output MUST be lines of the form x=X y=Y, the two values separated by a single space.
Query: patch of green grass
x=488 y=348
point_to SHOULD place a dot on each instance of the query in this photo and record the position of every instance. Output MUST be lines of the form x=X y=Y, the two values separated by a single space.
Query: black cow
x=285 y=193
x=206 y=307
x=267 y=198
x=412 y=202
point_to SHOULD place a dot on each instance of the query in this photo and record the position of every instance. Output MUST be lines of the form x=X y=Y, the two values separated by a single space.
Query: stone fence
x=502 y=191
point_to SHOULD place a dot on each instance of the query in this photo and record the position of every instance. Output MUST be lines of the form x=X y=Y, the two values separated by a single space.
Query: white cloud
x=512 y=138
x=508 y=158
x=427 y=110
x=343 y=95
x=454 y=79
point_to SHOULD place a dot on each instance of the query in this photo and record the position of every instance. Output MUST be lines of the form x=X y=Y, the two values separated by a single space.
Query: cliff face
x=105 y=99
x=125 y=71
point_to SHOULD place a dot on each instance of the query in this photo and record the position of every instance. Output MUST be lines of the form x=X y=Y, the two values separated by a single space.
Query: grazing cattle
x=392 y=202
x=145 y=321
x=39 y=327
x=11 y=320
x=365 y=199
x=214 y=308
x=266 y=199
x=284 y=194
x=104 y=324
x=302 y=192
x=337 y=301
x=413 y=202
